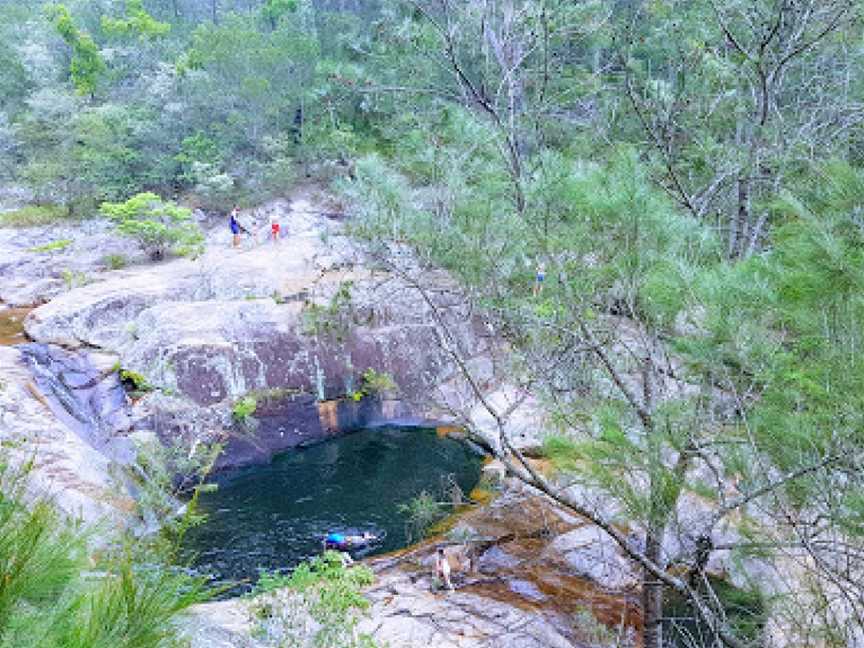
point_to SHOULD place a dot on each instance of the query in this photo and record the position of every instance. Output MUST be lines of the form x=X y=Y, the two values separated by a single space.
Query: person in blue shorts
x=539 y=278
x=235 y=226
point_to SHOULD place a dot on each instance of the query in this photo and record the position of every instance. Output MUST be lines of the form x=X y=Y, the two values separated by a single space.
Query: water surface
x=273 y=516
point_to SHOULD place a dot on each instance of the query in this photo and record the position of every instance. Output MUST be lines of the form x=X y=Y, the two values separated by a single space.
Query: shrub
x=332 y=321
x=423 y=512
x=134 y=381
x=50 y=596
x=322 y=590
x=115 y=261
x=74 y=278
x=244 y=409
x=373 y=383
x=158 y=226
x=377 y=382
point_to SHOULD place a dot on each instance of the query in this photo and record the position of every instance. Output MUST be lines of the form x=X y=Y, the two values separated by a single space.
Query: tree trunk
x=652 y=596
x=738 y=224
x=214 y=12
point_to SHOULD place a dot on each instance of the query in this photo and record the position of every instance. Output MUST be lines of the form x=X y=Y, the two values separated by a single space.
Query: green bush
x=377 y=382
x=158 y=226
x=135 y=381
x=115 y=261
x=422 y=512
x=73 y=278
x=244 y=409
x=322 y=588
x=373 y=383
x=332 y=321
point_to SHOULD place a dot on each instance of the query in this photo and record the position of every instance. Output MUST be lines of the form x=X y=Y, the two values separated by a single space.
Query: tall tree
x=86 y=66
x=735 y=97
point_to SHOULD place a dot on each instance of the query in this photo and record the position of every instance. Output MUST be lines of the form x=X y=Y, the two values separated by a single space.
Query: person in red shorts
x=274 y=228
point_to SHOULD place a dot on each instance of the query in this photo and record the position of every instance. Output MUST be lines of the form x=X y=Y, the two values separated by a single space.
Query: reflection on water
x=273 y=516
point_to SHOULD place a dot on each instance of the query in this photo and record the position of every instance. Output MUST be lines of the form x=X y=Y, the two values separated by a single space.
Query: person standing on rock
x=234 y=224
x=274 y=228
x=442 y=569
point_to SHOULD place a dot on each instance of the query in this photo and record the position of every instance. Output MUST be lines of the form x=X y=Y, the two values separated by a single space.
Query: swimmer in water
x=343 y=542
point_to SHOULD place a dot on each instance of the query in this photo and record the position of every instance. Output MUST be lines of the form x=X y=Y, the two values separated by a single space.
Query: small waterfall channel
x=81 y=388
x=84 y=394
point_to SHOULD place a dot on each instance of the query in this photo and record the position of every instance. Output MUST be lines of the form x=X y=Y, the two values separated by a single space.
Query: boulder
x=590 y=553
x=405 y=613
x=220 y=624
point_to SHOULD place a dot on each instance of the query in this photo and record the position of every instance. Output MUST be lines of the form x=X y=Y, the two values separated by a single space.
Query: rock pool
x=273 y=516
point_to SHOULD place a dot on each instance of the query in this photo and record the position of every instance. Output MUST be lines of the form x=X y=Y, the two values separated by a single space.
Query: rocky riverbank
x=538 y=578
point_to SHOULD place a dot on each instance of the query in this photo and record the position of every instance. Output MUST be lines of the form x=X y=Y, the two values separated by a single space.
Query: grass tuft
x=33 y=216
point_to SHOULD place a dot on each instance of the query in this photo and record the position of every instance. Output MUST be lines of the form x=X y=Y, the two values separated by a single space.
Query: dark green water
x=273 y=516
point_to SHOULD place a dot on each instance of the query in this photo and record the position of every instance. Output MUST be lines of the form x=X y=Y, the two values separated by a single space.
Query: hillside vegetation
x=657 y=204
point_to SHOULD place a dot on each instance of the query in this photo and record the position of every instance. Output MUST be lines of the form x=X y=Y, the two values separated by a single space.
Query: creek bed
x=274 y=516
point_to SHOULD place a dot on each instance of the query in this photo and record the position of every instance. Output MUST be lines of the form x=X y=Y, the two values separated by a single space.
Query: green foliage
x=790 y=321
x=274 y=10
x=374 y=383
x=562 y=451
x=15 y=83
x=333 y=320
x=47 y=600
x=54 y=246
x=39 y=557
x=158 y=226
x=33 y=216
x=132 y=608
x=115 y=261
x=339 y=586
x=135 y=381
x=244 y=409
x=197 y=151
x=745 y=609
x=137 y=23
x=165 y=475
x=322 y=588
x=74 y=278
x=86 y=67
x=422 y=513
x=377 y=382
x=109 y=152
